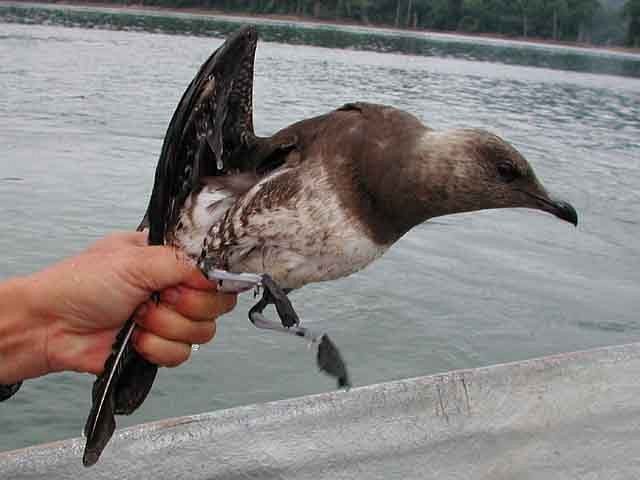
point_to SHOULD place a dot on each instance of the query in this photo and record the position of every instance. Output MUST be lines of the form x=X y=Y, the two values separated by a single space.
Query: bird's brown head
x=466 y=170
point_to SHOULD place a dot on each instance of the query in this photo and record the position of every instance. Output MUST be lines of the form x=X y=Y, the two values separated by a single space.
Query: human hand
x=77 y=306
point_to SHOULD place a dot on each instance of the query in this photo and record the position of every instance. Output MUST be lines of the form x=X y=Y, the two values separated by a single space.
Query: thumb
x=155 y=268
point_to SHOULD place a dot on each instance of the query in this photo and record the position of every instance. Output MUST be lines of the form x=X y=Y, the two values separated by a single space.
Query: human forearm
x=22 y=333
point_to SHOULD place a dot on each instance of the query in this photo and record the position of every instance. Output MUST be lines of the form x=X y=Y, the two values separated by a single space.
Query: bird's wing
x=212 y=122
x=210 y=130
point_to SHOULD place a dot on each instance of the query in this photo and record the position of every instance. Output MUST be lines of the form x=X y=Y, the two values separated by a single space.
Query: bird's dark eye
x=507 y=172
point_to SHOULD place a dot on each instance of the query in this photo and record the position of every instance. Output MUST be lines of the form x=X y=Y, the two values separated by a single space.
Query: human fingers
x=171 y=325
x=197 y=280
x=199 y=305
x=159 y=350
x=155 y=268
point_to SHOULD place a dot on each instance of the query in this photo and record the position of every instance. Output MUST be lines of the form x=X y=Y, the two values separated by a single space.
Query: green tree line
x=607 y=22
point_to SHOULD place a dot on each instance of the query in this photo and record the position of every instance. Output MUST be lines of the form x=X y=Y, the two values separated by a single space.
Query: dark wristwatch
x=7 y=391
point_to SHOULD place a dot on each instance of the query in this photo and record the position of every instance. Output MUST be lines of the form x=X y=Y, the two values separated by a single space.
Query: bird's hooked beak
x=561 y=209
x=564 y=211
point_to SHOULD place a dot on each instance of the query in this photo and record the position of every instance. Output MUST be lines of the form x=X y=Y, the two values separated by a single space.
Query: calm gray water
x=82 y=117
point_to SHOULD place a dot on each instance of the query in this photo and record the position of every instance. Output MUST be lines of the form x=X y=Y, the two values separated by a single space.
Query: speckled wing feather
x=210 y=133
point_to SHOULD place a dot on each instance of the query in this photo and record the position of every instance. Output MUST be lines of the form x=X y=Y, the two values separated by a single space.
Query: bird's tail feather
x=120 y=389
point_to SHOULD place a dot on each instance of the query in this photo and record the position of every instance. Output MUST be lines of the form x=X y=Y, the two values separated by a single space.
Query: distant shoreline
x=210 y=12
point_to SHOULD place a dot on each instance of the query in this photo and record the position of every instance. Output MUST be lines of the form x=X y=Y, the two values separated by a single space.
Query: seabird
x=319 y=200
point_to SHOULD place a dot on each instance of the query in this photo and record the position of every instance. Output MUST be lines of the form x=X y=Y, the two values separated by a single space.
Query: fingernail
x=170 y=296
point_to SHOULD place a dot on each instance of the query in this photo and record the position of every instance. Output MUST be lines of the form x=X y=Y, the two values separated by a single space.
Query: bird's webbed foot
x=330 y=361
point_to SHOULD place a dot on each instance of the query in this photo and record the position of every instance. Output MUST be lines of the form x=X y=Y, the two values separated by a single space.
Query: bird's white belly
x=311 y=239
x=293 y=269
x=308 y=237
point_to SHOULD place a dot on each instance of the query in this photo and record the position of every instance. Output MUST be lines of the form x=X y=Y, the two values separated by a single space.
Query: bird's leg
x=276 y=295
x=329 y=359
x=272 y=292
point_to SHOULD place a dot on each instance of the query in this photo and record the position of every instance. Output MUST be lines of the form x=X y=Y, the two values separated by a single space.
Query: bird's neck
x=418 y=180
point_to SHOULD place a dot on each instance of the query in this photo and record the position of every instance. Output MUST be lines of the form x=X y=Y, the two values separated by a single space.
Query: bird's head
x=482 y=171
x=465 y=170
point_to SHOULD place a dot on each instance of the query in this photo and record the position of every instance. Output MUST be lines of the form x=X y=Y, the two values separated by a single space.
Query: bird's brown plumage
x=357 y=179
